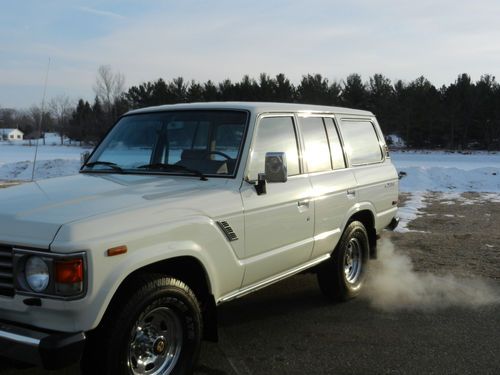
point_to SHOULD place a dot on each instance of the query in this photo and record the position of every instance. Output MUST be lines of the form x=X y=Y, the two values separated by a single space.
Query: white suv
x=179 y=209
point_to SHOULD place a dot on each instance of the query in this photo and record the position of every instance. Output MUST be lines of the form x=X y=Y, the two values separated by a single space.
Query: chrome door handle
x=303 y=203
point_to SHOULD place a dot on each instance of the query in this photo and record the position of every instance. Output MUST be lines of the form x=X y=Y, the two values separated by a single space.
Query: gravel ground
x=460 y=236
x=289 y=328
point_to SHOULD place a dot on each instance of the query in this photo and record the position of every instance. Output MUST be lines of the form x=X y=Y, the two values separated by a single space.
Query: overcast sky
x=202 y=40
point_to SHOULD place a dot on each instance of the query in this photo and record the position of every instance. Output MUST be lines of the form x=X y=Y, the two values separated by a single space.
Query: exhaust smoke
x=392 y=284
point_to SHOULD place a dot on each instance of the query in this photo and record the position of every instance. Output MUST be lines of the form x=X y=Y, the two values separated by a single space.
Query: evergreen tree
x=267 y=89
x=211 y=93
x=226 y=91
x=284 y=92
x=195 y=93
x=382 y=100
x=246 y=90
x=354 y=94
x=461 y=115
x=80 y=122
x=460 y=100
x=177 y=90
x=313 y=89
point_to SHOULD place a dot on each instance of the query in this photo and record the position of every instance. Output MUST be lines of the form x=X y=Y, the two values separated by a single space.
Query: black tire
x=168 y=340
x=341 y=277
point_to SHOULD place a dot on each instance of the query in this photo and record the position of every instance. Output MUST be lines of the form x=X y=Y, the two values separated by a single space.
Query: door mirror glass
x=276 y=169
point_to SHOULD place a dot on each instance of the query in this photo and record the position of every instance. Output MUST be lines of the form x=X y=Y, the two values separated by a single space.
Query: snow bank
x=450 y=179
x=451 y=174
x=22 y=170
x=16 y=160
x=442 y=159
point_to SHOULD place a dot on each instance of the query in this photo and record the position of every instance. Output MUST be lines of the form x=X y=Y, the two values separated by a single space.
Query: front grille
x=6 y=271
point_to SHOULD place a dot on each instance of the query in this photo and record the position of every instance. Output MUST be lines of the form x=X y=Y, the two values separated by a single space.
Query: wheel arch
x=367 y=218
x=187 y=269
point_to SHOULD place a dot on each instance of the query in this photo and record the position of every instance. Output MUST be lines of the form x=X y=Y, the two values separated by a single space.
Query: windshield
x=174 y=142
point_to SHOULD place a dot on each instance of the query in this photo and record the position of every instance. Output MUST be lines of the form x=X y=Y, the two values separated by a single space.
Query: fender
x=357 y=207
x=207 y=244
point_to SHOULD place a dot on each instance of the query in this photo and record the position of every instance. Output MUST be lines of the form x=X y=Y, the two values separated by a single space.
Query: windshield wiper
x=113 y=166
x=173 y=168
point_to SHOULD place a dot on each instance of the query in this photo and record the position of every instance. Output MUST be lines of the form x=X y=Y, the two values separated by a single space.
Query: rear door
x=333 y=185
x=279 y=224
x=375 y=174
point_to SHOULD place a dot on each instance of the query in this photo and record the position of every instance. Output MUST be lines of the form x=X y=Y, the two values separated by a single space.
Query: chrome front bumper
x=51 y=350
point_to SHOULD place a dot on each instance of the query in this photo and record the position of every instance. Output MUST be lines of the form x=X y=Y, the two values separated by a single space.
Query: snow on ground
x=450 y=174
x=53 y=159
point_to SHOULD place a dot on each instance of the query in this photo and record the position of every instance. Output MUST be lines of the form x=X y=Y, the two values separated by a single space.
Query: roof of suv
x=259 y=107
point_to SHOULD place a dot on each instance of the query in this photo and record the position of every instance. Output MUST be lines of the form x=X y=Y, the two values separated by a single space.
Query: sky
x=201 y=40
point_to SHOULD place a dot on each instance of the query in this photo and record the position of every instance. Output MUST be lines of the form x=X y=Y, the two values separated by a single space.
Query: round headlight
x=37 y=274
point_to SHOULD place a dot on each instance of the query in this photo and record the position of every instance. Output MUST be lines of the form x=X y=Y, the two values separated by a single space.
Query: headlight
x=49 y=275
x=37 y=274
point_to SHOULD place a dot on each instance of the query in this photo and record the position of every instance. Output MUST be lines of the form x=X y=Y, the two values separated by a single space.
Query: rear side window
x=317 y=152
x=361 y=142
x=274 y=134
x=337 y=153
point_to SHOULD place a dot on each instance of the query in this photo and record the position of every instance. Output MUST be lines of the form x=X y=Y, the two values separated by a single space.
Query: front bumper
x=51 y=350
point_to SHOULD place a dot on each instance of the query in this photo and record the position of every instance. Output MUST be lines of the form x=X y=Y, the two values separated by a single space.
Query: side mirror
x=84 y=156
x=276 y=170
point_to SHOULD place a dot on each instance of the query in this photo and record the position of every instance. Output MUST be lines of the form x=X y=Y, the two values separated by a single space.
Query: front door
x=279 y=225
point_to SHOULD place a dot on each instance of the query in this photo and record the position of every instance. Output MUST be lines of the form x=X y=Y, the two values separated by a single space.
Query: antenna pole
x=41 y=118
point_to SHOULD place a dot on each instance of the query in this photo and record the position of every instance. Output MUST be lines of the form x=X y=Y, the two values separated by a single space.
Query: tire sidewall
x=354 y=230
x=179 y=302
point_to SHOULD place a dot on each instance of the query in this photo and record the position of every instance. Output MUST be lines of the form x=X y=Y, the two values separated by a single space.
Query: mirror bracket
x=260 y=185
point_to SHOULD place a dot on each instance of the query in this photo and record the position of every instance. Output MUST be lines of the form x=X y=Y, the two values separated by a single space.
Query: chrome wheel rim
x=353 y=261
x=155 y=343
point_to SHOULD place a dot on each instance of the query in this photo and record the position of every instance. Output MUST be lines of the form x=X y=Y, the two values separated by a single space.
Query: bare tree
x=109 y=86
x=61 y=107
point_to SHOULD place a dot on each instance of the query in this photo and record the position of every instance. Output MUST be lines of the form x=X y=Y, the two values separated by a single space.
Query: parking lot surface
x=290 y=328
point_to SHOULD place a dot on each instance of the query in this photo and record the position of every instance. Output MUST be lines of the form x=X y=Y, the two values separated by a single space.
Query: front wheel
x=341 y=277
x=156 y=331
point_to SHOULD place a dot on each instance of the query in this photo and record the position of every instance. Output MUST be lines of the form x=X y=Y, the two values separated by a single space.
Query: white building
x=11 y=134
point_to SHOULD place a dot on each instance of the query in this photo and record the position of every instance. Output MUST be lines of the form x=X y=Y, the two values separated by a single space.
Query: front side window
x=176 y=142
x=274 y=134
x=361 y=142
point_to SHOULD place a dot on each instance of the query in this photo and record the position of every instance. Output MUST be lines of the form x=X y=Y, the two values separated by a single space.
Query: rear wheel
x=156 y=331
x=341 y=277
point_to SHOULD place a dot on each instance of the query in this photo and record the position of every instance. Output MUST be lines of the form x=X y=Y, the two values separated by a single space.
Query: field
x=432 y=304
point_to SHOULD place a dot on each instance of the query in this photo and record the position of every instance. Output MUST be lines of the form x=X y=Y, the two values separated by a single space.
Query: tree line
x=460 y=116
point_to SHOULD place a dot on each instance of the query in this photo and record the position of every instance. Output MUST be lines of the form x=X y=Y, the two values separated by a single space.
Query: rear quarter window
x=361 y=142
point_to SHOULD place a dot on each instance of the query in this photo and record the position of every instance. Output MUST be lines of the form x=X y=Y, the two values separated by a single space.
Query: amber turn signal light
x=117 y=250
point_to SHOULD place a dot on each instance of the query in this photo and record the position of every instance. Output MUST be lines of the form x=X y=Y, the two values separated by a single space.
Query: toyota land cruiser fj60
x=181 y=208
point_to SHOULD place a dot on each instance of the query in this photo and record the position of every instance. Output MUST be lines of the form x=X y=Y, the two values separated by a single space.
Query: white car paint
x=294 y=226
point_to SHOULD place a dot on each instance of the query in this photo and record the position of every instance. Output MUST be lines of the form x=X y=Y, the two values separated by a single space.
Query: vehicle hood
x=32 y=213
